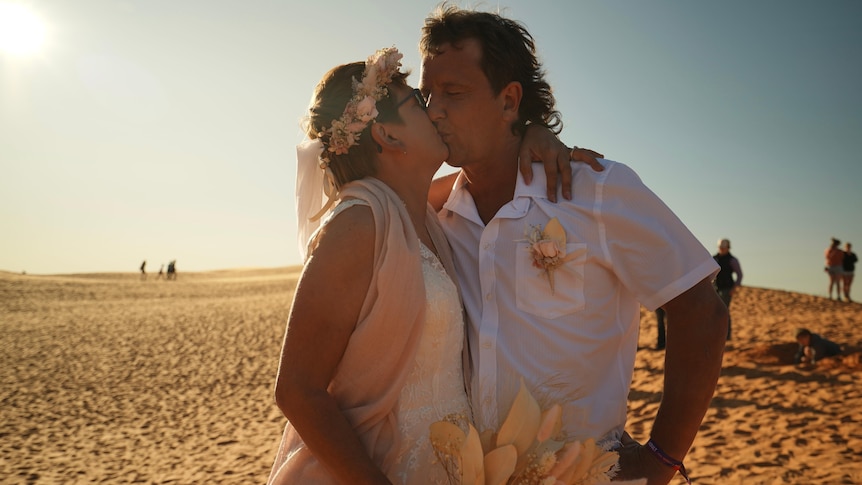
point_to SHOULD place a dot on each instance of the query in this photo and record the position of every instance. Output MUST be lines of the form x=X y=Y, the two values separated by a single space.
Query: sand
x=109 y=379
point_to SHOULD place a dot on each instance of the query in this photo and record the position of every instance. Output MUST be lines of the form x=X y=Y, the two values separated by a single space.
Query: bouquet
x=523 y=452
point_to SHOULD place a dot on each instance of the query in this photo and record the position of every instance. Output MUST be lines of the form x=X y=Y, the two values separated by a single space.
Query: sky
x=164 y=129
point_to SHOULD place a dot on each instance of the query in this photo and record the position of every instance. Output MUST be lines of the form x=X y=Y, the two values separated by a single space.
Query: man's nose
x=434 y=108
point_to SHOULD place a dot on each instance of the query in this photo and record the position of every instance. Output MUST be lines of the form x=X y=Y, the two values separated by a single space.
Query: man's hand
x=540 y=143
x=637 y=461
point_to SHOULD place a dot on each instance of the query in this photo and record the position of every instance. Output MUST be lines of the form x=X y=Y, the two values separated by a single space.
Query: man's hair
x=802 y=332
x=508 y=54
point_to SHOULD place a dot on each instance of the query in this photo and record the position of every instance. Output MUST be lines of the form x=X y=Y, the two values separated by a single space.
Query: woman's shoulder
x=349 y=228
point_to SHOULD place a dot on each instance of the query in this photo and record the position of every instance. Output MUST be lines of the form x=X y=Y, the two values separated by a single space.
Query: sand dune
x=110 y=379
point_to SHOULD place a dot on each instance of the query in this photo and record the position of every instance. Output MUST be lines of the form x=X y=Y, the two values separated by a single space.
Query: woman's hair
x=330 y=98
x=508 y=54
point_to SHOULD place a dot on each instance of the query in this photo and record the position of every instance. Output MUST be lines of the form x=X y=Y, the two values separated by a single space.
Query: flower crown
x=362 y=107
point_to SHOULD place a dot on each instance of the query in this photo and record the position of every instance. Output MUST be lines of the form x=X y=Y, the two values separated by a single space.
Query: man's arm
x=696 y=330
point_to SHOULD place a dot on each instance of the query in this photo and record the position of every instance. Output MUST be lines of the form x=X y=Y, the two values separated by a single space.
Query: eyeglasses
x=417 y=95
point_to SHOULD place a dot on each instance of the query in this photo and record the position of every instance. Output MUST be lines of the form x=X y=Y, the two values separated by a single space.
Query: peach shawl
x=381 y=349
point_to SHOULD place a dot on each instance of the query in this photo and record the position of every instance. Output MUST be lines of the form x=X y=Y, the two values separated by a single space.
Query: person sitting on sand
x=813 y=347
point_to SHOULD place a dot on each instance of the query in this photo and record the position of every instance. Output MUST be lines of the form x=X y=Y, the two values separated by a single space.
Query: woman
x=372 y=353
x=834 y=267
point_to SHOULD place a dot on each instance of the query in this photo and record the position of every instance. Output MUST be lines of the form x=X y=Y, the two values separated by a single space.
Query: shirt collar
x=536 y=189
x=461 y=202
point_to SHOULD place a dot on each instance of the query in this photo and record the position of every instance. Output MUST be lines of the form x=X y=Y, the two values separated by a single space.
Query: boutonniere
x=548 y=248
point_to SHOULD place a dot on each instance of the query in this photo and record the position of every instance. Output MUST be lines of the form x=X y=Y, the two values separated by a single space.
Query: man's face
x=461 y=102
x=804 y=340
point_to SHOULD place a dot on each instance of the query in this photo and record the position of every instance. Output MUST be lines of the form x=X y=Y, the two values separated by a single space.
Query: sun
x=21 y=31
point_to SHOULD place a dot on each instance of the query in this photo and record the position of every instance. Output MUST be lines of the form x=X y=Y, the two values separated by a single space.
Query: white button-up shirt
x=575 y=345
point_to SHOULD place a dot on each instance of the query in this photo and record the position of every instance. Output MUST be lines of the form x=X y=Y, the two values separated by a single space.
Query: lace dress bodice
x=435 y=386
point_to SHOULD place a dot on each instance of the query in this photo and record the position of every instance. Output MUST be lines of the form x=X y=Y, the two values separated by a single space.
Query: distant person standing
x=835 y=267
x=848 y=265
x=172 y=270
x=725 y=284
x=161 y=272
x=144 y=270
x=659 y=320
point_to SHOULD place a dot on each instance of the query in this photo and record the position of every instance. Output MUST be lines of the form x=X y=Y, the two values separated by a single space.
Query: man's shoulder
x=583 y=176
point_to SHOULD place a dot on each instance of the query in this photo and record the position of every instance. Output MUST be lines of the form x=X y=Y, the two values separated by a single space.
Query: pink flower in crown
x=380 y=68
x=366 y=110
x=355 y=128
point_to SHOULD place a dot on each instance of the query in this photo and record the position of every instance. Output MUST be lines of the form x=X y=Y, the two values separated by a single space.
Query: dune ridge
x=110 y=379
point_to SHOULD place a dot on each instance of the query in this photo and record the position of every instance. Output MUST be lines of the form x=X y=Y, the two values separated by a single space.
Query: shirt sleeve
x=651 y=251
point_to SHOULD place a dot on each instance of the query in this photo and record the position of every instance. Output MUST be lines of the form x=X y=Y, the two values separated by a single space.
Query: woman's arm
x=440 y=188
x=540 y=143
x=325 y=309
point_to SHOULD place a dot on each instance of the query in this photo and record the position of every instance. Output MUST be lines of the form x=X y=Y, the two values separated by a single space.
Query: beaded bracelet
x=667 y=460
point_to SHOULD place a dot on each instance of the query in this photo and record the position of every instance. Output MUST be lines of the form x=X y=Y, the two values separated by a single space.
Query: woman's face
x=420 y=138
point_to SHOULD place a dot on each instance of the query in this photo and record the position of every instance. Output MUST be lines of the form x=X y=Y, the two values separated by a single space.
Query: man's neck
x=492 y=183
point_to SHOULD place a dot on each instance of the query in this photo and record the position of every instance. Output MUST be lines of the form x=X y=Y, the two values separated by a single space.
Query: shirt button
x=489 y=296
x=487 y=246
x=486 y=344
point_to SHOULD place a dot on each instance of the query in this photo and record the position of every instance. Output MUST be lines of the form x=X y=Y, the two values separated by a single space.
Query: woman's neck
x=413 y=192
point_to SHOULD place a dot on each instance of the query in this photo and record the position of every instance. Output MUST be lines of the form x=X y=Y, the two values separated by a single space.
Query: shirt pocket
x=533 y=290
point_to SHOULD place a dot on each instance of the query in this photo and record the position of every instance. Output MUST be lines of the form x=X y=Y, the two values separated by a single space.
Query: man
x=848 y=266
x=725 y=283
x=569 y=329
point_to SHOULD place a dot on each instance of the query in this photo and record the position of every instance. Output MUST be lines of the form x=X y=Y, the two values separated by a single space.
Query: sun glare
x=21 y=31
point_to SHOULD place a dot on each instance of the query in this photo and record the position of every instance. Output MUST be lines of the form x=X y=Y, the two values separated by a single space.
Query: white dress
x=435 y=386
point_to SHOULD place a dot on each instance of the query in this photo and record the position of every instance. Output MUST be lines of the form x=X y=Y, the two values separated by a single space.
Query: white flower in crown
x=366 y=110
x=362 y=107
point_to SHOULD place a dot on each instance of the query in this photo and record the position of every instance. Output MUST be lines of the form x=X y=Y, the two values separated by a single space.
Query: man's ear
x=511 y=95
x=385 y=138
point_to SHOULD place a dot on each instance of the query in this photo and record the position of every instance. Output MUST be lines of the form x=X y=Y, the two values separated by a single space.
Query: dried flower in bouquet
x=523 y=452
